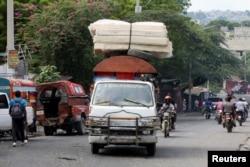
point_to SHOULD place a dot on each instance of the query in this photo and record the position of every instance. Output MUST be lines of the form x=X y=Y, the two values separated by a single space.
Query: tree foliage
x=48 y=73
x=193 y=45
x=120 y=8
x=59 y=36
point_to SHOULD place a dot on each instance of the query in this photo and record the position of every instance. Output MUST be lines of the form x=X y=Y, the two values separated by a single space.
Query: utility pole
x=10 y=33
x=190 y=85
x=137 y=7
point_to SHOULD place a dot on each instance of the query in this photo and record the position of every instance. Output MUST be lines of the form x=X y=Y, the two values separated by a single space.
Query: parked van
x=62 y=105
x=123 y=112
x=5 y=118
x=8 y=86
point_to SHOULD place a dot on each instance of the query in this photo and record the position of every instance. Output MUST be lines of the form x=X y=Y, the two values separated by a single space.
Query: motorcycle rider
x=167 y=107
x=247 y=107
x=208 y=106
x=228 y=107
x=219 y=106
x=240 y=107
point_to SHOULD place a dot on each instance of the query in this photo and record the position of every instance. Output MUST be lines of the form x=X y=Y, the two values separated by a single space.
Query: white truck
x=5 y=119
x=123 y=112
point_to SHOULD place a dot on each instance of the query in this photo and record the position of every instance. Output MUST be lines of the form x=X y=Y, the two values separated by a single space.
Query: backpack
x=16 y=110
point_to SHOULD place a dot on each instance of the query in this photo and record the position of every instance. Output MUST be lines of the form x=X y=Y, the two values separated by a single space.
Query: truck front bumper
x=122 y=140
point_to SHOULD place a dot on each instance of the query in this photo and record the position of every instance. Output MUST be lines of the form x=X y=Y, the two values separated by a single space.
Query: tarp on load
x=125 y=64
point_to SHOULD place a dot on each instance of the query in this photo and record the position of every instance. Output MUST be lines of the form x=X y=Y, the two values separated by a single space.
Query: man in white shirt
x=247 y=107
x=241 y=106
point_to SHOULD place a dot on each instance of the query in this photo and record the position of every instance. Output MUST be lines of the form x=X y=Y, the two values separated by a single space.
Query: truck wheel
x=94 y=148
x=69 y=130
x=151 y=148
x=81 y=127
x=48 y=131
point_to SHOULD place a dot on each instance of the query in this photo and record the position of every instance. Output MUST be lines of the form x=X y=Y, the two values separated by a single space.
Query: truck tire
x=48 y=131
x=151 y=148
x=69 y=130
x=94 y=148
x=81 y=127
x=137 y=53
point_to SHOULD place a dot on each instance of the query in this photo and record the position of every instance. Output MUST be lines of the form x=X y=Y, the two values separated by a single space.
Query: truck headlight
x=149 y=122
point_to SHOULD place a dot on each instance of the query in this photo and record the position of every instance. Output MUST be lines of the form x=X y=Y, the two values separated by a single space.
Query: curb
x=245 y=146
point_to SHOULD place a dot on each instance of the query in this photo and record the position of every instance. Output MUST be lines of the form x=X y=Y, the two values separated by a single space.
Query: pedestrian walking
x=18 y=113
x=184 y=105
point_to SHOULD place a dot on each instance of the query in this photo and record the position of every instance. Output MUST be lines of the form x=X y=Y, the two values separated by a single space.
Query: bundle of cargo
x=146 y=37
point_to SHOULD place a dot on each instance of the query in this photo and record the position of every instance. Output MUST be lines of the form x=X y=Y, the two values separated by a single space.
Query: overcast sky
x=208 y=5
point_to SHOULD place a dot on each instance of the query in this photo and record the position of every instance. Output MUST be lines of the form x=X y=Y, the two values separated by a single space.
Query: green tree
x=59 y=34
x=3 y=27
x=48 y=73
x=194 y=46
x=120 y=8
x=20 y=19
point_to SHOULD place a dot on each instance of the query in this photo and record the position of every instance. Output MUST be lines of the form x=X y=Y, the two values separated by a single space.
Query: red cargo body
x=233 y=86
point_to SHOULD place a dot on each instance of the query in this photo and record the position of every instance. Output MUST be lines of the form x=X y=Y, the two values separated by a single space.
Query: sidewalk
x=245 y=146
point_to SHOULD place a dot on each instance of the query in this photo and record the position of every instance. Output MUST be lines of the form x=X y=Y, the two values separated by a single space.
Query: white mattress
x=112 y=39
x=149 y=40
x=108 y=24
x=156 y=26
x=151 y=48
x=110 y=46
x=112 y=32
x=149 y=33
x=111 y=35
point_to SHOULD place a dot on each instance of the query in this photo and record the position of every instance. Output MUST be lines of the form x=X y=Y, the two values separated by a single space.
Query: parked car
x=5 y=118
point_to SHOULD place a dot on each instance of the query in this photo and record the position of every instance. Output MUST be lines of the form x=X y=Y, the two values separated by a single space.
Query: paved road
x=187 y=146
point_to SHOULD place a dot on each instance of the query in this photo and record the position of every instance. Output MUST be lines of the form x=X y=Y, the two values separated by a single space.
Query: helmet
x=167 y=97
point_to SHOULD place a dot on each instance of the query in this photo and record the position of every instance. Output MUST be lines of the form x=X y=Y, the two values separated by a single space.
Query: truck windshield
x=125 y=94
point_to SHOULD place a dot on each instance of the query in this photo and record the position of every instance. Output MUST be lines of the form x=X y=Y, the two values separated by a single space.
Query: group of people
x=232 y=106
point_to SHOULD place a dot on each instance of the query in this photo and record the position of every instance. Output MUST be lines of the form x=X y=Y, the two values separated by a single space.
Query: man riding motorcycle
x=208 y=108
x=219 y=108
x=228 y=107
x=240 y=107
x=167 y=107
x=247 y=106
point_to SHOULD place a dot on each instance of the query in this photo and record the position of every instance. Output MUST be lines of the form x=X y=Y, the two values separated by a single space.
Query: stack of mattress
x=114 y=35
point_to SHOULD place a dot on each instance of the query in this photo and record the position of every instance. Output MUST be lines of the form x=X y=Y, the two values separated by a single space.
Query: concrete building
x=237 y=40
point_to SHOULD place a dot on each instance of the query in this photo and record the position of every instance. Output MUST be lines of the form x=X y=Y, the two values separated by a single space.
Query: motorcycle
x=172 y=120
x=214 y=107
x=218 y=116
x=166 y=124
x=208 y=111
x=229 y=122
x=240 y=117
